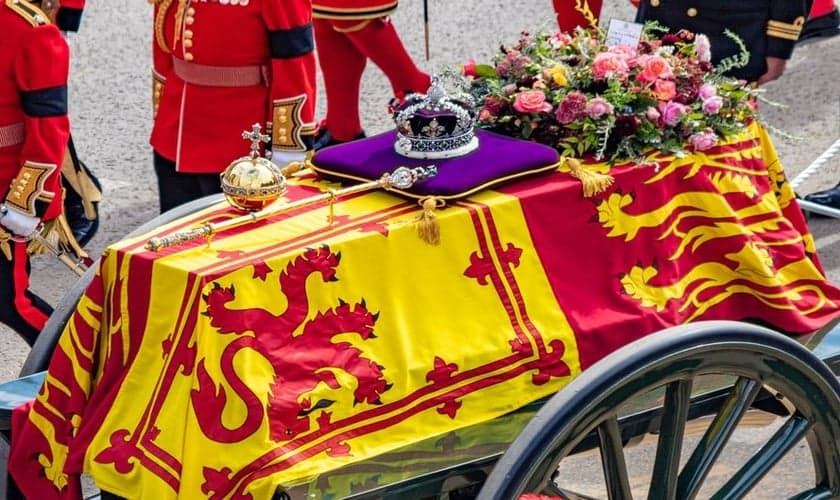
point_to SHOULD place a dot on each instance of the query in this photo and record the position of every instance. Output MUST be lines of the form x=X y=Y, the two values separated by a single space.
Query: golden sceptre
x=401 y=178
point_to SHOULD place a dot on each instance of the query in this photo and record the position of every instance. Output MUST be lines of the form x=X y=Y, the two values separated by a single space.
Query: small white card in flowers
x=623 y=33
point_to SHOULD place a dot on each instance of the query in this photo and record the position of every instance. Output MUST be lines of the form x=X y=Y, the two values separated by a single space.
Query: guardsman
x=221 y=66
x=574 y=13
x=768 y=28
x=348 y=33
x=82 y=190
x=34 y=130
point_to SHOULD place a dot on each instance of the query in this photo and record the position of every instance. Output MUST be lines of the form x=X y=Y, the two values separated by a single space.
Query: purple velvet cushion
x=497 y=159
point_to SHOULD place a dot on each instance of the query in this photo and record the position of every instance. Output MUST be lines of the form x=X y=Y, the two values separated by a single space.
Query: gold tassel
x=593 y=182
x=428 y=227
x=5 y=246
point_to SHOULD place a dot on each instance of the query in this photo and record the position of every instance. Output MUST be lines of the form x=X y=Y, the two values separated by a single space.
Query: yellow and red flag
x=291 y=346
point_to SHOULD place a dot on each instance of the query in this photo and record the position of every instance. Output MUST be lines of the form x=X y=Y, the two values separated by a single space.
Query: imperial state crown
x=435 y=125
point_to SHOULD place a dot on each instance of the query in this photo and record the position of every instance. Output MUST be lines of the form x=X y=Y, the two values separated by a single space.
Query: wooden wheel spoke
x=612 y=459
x=793 y=430
x=716 y=436
x=669 y=445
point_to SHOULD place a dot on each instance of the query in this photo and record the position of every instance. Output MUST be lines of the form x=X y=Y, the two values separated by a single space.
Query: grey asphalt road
x=110 y=99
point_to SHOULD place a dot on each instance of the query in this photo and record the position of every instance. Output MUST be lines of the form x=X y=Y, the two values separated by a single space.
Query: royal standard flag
x=324 y=336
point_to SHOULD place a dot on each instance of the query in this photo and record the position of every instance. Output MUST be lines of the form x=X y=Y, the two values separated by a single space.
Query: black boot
x=818 y=28
x=83 y=228
x=828 y=197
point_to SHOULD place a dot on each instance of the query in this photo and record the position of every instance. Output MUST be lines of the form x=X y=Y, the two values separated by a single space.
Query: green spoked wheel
x=757 y=359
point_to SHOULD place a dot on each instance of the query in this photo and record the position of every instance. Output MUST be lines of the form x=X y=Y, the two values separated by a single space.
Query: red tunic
x=352 y=9
x=34 y=128
x=222 y=66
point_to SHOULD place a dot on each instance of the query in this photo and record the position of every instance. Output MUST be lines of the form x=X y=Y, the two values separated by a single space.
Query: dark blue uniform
x=768 y=28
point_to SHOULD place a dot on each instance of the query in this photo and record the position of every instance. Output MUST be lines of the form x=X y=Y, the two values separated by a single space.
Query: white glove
x=283 y=158
x=17 y=222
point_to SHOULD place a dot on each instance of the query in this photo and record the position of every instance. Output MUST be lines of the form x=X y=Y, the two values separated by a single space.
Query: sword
x=75 y=265
x=400 y=178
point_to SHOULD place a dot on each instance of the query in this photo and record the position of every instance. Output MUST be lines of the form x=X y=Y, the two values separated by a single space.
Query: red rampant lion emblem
x=304 y=353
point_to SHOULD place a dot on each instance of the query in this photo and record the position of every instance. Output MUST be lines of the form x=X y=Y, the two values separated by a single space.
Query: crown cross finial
x=256 y=138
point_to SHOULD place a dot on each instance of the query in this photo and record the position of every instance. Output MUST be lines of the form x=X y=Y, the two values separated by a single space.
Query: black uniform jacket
x=767 y=27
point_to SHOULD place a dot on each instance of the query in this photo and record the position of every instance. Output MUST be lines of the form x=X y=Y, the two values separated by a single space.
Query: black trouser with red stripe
x=20 y=309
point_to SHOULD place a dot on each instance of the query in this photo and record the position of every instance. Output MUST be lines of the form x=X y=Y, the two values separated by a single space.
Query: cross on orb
x=256 y=138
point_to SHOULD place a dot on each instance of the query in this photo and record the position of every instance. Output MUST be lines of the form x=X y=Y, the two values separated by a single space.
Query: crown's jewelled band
x=436 y=144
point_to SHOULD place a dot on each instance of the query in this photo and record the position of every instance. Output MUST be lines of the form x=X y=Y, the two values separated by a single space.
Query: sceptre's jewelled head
x=252 y=182
x=435 y=125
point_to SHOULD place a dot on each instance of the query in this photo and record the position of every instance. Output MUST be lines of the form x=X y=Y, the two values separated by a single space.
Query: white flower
x=703 y=47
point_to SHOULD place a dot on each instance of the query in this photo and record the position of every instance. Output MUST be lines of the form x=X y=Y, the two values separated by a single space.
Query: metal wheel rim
x=672 y=357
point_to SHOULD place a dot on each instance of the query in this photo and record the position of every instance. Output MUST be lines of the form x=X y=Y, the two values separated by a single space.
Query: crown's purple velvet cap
x=497 y=157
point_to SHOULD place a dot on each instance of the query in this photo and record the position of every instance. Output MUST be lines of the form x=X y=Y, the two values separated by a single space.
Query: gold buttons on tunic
x=188 y=57
x=691 y=12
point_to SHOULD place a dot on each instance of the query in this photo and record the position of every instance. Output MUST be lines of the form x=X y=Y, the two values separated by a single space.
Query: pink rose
x=672 y=112
x=653 y=114
x=706 y=91
x=598 y=107
x=626 y=52
x=469 y=68
x=531 y=101
x=654 y=68
x=665 y=90
x=712 y=105
x=610 y=65
x=703 y=140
